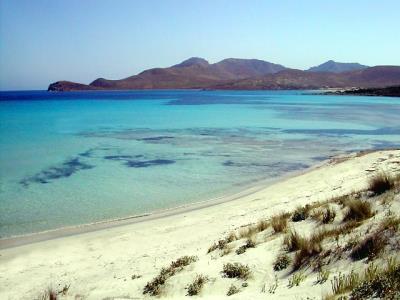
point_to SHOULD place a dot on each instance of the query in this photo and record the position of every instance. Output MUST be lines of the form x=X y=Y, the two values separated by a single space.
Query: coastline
x=102 y=264
x=248 y=189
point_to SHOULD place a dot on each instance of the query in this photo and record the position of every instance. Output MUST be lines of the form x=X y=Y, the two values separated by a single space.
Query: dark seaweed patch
x=66 y=169
x=156 y=138
x=278 y=166
x=87 y=153
x=119 y=157
x=228 y=163
x=319 y=158
x=342 y=132
x=148 y=163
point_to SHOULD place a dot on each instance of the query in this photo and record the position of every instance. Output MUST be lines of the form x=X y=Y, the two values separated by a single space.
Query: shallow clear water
x=75 y=158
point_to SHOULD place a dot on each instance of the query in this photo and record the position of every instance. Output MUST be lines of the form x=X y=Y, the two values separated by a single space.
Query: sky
x=43 y=41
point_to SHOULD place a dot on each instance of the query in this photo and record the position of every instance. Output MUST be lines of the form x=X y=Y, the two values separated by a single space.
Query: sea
x=74 y=158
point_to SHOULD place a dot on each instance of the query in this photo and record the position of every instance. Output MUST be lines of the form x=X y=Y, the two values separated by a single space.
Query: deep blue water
x=74 y=158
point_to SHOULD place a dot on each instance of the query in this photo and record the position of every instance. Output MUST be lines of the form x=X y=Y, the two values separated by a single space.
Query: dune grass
x=49 y=294
x=357 y=210
x=279 y=222
x=328 y=215
x=381 y=183
x=374 y=282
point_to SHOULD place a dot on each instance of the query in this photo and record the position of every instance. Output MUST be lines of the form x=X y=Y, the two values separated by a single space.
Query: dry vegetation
x=195 y=287
x=344 y=229
x=279 y=222
x=155 y=286
x=236 y=270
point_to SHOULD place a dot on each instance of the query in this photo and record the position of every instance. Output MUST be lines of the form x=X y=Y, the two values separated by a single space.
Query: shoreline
x=248 y=189
x=117 y=262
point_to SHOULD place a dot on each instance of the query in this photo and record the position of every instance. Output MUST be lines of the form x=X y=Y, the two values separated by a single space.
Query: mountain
x=192 y=73
x=337 y=67
x=233 y=73
x=379 y=76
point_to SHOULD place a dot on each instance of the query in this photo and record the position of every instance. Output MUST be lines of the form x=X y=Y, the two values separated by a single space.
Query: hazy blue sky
x=42 y=41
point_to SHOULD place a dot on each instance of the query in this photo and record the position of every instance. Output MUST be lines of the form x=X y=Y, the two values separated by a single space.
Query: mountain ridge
x=236 y=73
x=336 y=67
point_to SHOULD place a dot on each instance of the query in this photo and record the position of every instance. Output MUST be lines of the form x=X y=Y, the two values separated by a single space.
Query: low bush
x=232 y=290
x=236 y=270
x=154 y=287
x=183 y=261
x=195 y=287
x=300 y=214
x=386 y=286
x=282 y=262
x=250 y=243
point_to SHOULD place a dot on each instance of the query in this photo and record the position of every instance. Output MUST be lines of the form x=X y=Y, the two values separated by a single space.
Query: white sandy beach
x=100 y=264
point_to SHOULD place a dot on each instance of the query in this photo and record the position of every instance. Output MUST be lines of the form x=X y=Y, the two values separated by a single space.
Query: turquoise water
x=75 y=158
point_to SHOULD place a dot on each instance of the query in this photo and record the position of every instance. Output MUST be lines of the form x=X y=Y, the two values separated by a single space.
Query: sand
x=99 y=264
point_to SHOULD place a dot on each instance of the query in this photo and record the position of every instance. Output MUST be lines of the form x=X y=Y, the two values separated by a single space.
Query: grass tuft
x=369 y=247
x=296 y=279
x=357 y=210
x=306 y=248
x=262 y=225
x=293 y=242
x=279 y=222
x=344 y=283
x=328 y=215
x=49 y=294
x=381 y=183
